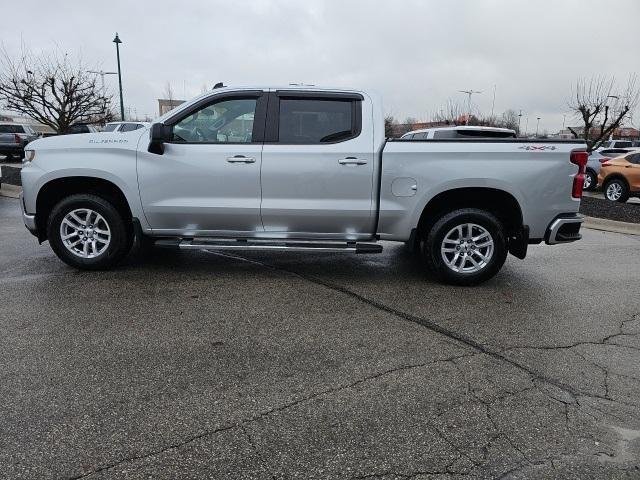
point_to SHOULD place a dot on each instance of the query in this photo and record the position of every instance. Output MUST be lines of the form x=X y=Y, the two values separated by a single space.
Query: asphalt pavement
x=282 y=365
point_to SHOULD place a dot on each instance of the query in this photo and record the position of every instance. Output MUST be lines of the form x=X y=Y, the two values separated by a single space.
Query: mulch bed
x=11 y=175
x=601 y=208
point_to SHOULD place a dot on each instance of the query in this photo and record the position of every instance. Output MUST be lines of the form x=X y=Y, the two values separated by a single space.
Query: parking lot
x=202 y=365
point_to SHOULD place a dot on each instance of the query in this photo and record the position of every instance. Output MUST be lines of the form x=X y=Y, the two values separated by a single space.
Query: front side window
x=110 y=127
x=226 y=121
x=316 y=121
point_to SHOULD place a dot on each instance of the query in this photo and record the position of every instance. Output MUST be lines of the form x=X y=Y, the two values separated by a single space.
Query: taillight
x=580 y=159
x=17 y=138
x=605 y=164
x=604 y=159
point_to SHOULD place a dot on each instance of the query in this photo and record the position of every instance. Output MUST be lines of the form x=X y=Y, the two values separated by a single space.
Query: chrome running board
x=259 y=244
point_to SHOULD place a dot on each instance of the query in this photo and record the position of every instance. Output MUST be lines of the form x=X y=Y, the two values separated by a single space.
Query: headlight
x=29 y=155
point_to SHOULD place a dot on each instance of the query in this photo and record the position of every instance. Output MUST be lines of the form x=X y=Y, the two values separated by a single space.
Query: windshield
x=110 y=127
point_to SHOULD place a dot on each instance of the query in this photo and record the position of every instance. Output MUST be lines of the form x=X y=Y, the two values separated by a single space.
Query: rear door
x=318 y=166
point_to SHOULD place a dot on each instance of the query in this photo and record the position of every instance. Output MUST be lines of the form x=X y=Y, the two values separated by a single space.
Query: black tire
x=623 y=188
x=120 y=232
x=590 y=178
x=432 y=240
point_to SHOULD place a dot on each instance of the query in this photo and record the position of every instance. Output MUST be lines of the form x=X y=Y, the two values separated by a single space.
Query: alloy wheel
x=467 y=248
x=85 y=233
x=614 y=191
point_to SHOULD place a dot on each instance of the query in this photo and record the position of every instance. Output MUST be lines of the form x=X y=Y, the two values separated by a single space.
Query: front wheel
x=88 y=232
x=465 y=247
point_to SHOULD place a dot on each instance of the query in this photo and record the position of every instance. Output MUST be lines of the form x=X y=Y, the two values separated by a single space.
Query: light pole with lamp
x=537 y=126
x=117 y=41
x=519 y=118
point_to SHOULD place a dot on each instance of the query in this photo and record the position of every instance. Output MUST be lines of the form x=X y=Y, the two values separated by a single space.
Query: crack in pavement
x=429 y=324
x=240 y=424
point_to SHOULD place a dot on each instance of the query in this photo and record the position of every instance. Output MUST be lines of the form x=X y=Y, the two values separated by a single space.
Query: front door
x=318 y=166
x=207 y=181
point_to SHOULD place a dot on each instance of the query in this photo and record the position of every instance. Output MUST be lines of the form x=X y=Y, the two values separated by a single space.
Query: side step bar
x=258 y=244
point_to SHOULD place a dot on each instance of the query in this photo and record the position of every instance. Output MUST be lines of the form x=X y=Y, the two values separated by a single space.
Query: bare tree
x=510 y=119
x=389 y=123
x=52 y=90
x=168 y=92
x=450 y=114
x=602 y=108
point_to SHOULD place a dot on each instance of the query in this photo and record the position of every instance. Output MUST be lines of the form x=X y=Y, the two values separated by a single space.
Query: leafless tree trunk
x=51 y=90
x=168 y=92
x=602 y=108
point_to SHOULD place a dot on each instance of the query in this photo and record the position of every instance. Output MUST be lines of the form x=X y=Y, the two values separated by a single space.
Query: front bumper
x=564 y=229
x=28 y=219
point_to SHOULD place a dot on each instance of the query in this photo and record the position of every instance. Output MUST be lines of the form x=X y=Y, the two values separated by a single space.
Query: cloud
x=417 y=54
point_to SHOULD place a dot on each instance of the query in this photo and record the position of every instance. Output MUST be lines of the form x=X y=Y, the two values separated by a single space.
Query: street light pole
x=519 y=118
x=117 y=41
x=537 y=126
x=469 y=93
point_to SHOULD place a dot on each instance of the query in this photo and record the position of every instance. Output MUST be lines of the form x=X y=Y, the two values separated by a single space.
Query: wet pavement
x=255 y=365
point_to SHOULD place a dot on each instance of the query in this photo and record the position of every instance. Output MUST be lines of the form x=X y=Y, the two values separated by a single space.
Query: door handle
x=241 y=159
x=352 y=161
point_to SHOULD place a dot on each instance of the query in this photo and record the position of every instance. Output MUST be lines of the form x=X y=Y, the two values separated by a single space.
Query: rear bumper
x=564 y=229
x=28 y=219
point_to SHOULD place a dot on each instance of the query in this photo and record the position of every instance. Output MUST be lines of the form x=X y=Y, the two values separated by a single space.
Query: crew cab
x=300 y=168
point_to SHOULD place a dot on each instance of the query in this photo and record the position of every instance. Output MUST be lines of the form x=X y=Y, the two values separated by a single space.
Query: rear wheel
x=616 y=190
x=590 y=180
x=465 y=247
x=88 y=232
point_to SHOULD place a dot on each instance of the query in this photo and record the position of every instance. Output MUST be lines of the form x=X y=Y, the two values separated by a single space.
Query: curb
x=611 y=226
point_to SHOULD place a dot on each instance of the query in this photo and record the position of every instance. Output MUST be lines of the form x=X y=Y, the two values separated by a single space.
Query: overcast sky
x=417 y=54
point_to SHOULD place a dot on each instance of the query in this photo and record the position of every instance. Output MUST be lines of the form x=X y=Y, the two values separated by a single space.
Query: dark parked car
x=13 y=138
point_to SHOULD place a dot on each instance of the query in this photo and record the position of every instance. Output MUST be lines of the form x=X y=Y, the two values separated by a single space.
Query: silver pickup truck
x=300 y=168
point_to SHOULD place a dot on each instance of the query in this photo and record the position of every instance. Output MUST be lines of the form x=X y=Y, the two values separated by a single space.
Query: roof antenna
x=218 y=85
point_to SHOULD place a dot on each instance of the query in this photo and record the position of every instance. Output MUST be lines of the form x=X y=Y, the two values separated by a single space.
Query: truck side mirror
x=159 y=134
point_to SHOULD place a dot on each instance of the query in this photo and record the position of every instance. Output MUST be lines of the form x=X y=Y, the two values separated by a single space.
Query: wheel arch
x=501 y=203
x=58 y=188
x=615 y=176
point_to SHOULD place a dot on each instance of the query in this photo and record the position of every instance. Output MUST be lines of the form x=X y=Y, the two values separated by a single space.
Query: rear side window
x=11 y=129
x=421 y=136
x=635 y=158
x=129 y=127
x=317 y=121
x=444 y=134
x=110 y=128
x=622 y=144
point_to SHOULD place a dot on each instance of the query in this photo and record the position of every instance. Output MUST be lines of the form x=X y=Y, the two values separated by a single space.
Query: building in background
x=165 y=105
x=622 y=133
